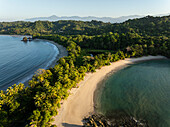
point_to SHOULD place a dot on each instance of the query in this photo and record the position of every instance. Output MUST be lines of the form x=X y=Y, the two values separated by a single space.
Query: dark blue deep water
x=141 y=91
x=19 y=60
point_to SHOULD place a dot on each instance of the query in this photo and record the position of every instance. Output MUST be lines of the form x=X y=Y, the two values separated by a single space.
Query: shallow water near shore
x=20 y=60
x=140 y=90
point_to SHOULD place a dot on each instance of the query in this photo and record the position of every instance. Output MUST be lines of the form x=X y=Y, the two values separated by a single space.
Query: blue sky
x=21 y=9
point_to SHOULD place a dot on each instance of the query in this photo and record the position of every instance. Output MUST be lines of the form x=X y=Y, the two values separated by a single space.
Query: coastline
x=62 y=52
x=81 y=102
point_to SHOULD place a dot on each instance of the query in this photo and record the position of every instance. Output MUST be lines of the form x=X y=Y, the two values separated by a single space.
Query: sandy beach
x=62 y=52
x=80 y=103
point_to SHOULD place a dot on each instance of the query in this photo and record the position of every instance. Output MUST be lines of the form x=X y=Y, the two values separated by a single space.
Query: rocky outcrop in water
x=25 y=39
x=97 y=120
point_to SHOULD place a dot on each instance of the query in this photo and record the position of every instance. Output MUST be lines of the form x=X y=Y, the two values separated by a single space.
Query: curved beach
x=80 y=103
x=62 y=52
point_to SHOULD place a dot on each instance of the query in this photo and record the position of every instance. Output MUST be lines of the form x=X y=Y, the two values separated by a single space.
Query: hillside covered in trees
x=153 y=26
x=36 y=104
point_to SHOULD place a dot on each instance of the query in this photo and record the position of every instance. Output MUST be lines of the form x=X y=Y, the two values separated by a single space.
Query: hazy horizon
x=11 y=10
x=25 y=19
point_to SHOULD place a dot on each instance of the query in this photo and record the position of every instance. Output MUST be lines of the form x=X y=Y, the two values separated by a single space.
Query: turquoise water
x=141 y=91
x=19 y=60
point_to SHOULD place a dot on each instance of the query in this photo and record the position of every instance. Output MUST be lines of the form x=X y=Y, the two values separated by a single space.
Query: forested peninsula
x=90 y=46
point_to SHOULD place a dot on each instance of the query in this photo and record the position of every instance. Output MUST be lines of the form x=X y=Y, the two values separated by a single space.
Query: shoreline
x=81 y=101
x=62 y=52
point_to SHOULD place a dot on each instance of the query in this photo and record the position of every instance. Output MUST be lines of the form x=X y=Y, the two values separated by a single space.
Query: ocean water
x=20 y=60
x=141 y=90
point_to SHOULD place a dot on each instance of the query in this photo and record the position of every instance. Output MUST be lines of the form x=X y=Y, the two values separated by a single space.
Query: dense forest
x=46 y=27
x=152 y=26
x=90 y=45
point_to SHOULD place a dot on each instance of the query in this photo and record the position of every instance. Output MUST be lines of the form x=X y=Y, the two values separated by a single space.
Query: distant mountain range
x=89 y=18
x=78 y=18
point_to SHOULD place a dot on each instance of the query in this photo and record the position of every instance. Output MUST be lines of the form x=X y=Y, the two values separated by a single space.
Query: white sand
x=80 y=103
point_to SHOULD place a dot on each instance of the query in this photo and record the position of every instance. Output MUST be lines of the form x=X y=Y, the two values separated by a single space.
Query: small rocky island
x=25 y=39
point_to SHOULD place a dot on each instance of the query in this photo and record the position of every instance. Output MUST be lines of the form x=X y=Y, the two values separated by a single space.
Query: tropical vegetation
x=90 y=46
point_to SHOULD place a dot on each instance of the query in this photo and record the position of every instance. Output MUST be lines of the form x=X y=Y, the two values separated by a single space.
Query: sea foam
x=47 y=65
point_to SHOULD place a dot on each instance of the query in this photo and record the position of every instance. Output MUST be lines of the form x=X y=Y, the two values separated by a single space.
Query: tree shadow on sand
x=70 y=125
